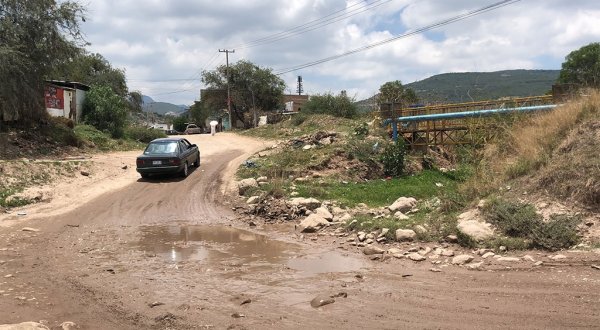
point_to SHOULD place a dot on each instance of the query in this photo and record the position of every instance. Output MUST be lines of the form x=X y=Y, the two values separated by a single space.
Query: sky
x=164 y=46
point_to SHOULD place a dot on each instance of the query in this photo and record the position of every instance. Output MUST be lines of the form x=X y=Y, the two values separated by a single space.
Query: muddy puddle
x=222 y=245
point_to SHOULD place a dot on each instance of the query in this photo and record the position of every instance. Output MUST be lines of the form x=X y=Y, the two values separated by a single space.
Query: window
x=158 y=148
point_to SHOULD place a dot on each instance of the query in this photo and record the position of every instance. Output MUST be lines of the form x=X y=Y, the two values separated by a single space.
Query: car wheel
x=197 y=163
x=145 y=176
x=185 y=171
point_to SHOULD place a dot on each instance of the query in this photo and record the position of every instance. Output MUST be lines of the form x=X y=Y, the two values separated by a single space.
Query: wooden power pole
x=227 y=51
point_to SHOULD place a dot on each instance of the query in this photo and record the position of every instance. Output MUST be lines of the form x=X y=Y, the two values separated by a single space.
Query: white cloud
x=165 y=40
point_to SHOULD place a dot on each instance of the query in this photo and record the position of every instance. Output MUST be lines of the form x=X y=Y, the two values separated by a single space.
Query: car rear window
x=157 y=148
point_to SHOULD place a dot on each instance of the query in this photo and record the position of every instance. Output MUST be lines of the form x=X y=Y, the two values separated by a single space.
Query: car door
x=186 y=151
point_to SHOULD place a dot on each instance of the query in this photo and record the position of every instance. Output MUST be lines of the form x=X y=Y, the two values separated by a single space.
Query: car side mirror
x=193 y=145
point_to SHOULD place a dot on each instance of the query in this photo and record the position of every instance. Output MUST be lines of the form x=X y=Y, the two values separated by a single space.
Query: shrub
x=298 y=119
x=143 y=134
x=393 y=158
x=560 y=232
x=361 y=130
x=338 y=106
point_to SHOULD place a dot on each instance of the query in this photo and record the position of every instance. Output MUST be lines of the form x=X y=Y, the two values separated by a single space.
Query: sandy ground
x=113 y=251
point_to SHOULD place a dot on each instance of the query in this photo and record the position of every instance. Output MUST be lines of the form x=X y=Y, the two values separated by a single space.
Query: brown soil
x=117 y=252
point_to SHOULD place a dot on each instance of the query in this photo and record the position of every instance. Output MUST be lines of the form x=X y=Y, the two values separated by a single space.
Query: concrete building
x=65 y=99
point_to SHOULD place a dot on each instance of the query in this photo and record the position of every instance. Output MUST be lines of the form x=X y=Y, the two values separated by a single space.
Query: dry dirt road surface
x=169 y=253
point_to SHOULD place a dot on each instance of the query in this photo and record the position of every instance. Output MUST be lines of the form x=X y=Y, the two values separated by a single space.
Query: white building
x=65 y=99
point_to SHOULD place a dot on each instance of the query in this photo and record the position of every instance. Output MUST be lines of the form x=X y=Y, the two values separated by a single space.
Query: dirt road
x=170 y=254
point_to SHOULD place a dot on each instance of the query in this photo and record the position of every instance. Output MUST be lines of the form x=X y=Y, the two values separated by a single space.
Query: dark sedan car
x=169 y=155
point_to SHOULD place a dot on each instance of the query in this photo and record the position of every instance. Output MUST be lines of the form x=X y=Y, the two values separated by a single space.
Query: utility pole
x=227 y=51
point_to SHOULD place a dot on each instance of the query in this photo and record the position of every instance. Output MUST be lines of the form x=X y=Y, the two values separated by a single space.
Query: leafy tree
x=105 y=110
x=34 y=35
x=135 y=101
x=340 y=105
x=252 y=87
x=582 y=66
x=179 y=123
x=92 y=69
x=394 y=91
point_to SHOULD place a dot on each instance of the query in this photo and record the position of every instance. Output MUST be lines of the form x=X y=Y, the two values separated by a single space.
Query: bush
x=298 y=119
x=519 y=220
x=361 y=130
x=143 y=134
x=393 y=159
x=338 y=106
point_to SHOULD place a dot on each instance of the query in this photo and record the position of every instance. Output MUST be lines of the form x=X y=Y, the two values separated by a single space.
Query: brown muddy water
x=228 y=245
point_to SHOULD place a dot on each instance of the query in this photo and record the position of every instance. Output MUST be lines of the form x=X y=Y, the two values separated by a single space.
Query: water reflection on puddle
x=227 y=245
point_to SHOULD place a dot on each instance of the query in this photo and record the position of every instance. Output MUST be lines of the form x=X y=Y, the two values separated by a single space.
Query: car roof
x=169 y=139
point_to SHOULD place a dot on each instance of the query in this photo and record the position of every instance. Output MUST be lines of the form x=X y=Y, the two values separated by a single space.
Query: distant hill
x=149 y=105
x=477 y=86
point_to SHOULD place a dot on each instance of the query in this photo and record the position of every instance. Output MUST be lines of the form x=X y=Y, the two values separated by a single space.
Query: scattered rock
x=361 y=236
x=419 y=229
x=324 y=212
x=24 y=326
x=85 y=173
x=596 y=267
x=30 y=229
x=403 y=235
x=502 y=248
x=262 y=179
x=344 y=217
x=528 y=258
x=400 y=216
x=237 y=315
x=319 y=301
x=384 y=232
x=68 y=325
x=488 y=254
x=246 y=184
x=435 y=270
x=425 y=251
x=253 y=200
x=309 y=203
x=509 y=259
x=124 y=167
x=313 y=223
x=475 y=266
x=476 y=230
x=462 y=259
x=452 y=239
x=403 y=204
x=416 y=257
x=371 y=250
x=447 y=253
x=539 y=263
x=558 y=257
x=156 y=303
x=394 y=251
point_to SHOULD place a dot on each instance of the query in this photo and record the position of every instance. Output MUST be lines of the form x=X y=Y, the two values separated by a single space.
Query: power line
x=454 y=19
x=315 y=24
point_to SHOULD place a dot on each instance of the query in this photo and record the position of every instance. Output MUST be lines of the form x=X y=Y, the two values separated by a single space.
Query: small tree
x=394 y=91
x=582 y=66
x=105 y=110
x=179 y=123
x=339 y=106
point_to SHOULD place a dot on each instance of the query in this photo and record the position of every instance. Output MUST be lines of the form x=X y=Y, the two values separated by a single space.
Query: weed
x=560 y=232
x=393 y=158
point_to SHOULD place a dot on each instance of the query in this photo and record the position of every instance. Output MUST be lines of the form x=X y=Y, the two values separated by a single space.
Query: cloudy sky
x=164 y=45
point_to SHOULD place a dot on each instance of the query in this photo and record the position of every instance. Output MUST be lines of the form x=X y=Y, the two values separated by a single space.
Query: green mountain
x=477 y=86
x=162 y=108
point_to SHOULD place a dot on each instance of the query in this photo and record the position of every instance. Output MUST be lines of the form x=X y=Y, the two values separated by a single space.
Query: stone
x=24 y=326
x=344 y=217
x=528 y=258
x=403 y=204
x=308 y=147
x=313 y=223
x=371 y=250
x=361 y=237
x=539 y=263
x=262 y=179
x=253 y=200
x=435 y=270
x=425 y=251
x=419 y=229
x=394 y=251
x=447 y=253
x=558 y=257
x=85 y=173
x=488 y=254
x=384 y=232
x=324 y=212
x=309 y=203
x=30 y=229
x=475 y=265
x=319 y=301
x=400 y=216
x=462 y=259
x=369 y=241
x=416 y=257
x=476 y=230
x=245 y=184
x=403 y=235
x=509 y=259
x=502 y=248
x=452 y=239
x=68 y=325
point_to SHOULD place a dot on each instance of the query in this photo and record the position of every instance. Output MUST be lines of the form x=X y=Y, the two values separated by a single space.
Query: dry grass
x=530 y=143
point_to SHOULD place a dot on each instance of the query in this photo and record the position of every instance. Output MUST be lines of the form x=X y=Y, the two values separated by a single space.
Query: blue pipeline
x=469 y=114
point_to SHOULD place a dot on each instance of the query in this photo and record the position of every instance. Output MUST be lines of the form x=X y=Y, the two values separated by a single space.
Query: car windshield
x=157 y=148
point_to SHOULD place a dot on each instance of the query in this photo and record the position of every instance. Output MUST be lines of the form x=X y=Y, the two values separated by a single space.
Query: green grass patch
x=6 y=201
x=103 y=141
x=378 y=193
